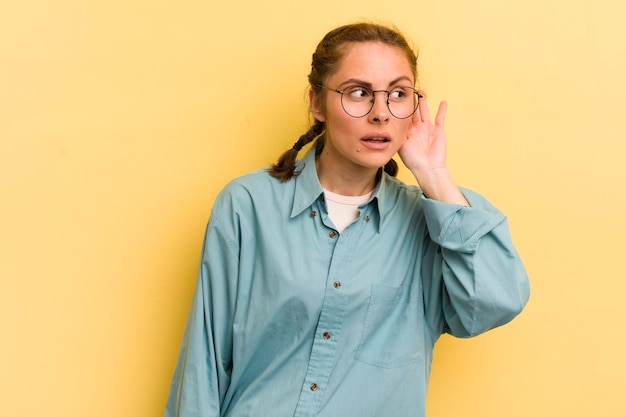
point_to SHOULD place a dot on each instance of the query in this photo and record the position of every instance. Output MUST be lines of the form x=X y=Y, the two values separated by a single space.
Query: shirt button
x=337 y=284
x=367 y=218
x=313 y=387
x=326 y=335
x=332 y=234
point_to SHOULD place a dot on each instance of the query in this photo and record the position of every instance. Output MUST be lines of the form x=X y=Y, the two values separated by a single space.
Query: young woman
x=325 y=281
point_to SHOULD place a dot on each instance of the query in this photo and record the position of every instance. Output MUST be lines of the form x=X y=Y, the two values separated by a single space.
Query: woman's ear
x=316 y=107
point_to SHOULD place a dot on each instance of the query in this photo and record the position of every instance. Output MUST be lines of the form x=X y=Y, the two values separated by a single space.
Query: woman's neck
x=345 y=180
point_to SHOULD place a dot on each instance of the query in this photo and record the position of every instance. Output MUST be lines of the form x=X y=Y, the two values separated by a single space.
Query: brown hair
x=326 y=59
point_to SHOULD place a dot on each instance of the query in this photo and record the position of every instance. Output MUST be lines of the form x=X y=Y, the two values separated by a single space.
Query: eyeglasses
x=357 y=101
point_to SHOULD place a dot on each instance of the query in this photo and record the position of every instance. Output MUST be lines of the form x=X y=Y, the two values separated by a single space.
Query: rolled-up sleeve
x=473 y=277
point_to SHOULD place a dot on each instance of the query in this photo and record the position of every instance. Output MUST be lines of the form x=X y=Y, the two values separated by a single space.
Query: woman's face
x=370 y=141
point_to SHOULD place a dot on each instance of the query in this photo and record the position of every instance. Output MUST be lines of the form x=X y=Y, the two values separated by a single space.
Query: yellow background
x=121 y=120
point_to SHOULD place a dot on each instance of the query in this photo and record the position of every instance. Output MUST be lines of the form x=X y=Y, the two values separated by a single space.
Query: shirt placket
x=328 y=331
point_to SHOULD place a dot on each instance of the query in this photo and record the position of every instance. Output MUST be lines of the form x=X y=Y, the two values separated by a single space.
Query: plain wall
x=120 y=122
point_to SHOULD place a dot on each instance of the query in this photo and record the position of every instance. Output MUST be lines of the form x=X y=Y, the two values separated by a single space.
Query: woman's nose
x=380 y=109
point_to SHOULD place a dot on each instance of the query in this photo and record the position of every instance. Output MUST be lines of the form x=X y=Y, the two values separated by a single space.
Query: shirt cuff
x=459 y=228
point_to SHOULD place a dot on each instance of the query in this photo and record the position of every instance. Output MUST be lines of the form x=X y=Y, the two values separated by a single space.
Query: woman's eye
x=397 y=94
x=358 y=93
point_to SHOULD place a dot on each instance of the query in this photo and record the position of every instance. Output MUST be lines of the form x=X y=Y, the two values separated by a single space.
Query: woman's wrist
x=437 y=184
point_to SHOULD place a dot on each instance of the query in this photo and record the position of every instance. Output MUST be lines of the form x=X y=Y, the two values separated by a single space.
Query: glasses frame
x=373 y=100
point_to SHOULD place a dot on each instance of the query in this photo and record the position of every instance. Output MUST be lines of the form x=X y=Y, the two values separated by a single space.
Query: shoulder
x=249 y=190
x=255 y=181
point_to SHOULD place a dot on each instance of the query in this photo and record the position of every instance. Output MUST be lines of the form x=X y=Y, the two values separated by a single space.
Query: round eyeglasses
x=357 y=101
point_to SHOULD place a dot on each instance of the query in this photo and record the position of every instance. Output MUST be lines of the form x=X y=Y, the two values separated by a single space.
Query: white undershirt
x=342 y=209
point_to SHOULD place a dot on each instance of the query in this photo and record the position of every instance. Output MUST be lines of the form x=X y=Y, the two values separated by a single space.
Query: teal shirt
x=290 y=318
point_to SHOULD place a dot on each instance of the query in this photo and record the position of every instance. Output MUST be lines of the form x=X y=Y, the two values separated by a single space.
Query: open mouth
x=374 y=140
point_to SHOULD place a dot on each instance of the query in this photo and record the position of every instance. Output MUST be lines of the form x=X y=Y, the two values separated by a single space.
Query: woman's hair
x=326 y=60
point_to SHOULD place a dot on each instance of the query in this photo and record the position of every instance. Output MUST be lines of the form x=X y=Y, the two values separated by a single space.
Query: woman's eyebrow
x=369 y=85
x=402 y=78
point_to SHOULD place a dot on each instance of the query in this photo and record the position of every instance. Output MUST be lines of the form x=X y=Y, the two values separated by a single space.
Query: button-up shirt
x=292 y=318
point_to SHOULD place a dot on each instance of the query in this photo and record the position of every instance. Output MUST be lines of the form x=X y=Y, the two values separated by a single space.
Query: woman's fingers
x=441 y=114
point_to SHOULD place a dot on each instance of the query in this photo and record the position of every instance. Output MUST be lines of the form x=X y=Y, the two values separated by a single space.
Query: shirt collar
x=378 y=198
x=308 y=188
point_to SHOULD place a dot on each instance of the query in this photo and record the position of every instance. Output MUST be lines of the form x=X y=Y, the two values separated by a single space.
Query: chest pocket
x=393 y=333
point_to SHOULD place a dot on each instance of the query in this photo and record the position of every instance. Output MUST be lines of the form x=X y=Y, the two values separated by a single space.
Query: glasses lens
x=402 y=102
x=357 y=101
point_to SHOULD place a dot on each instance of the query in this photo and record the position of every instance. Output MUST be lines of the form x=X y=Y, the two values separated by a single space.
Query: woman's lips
x=376 y=142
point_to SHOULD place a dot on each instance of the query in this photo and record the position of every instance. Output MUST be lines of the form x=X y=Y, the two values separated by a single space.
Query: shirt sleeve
x=202 y=373
x=473 y=277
